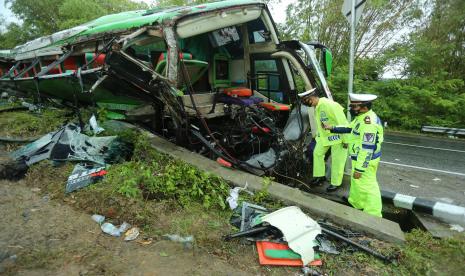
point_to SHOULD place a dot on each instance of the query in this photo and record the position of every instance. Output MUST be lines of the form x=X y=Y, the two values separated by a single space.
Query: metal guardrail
x=443 y=130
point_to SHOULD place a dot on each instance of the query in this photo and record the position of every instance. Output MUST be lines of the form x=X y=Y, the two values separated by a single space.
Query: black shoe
x=318 y=181
x=332 y=188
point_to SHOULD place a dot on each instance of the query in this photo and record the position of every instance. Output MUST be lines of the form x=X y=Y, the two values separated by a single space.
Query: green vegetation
x=408 y=104
x=27 y=124
x=48 y=16
x=154 y=175
x=428 y=60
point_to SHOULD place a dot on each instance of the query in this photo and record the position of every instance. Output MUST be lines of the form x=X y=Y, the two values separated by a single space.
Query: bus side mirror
x=328 y=61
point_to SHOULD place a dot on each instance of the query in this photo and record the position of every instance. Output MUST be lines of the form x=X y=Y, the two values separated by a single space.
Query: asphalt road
x=444 y=155
x=428 y=167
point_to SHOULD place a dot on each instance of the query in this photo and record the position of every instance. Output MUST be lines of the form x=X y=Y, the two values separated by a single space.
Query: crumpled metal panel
x=299 y=230
x=45 y=41
x=173 y=55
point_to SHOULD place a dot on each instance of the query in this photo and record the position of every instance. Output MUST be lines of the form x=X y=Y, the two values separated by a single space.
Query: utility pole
x=352 y=10
x=351 y=56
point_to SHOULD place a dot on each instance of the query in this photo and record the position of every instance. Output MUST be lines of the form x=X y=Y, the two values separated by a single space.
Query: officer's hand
x=344 y=145
x=357 y=175
x=328 y=127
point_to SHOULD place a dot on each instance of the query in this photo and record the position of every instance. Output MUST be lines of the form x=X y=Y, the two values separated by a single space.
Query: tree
x=437 y=48
x=45 y=17
x=323 y=21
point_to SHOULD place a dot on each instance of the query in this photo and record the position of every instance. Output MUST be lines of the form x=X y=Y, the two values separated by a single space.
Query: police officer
x=366 y=136
x=327 y=112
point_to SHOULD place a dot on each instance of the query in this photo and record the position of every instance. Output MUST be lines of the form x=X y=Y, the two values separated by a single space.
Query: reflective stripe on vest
x=373 y=157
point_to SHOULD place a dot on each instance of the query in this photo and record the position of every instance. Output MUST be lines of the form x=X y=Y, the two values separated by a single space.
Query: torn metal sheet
x=38 y=150
x=68 y=143
x=326 y=246
x=298 y=229
x=75 y=146
x=83 y=175
x=45 y=41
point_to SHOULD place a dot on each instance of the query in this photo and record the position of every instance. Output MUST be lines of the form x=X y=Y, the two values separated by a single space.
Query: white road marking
x=425 y=147
x=422 y=168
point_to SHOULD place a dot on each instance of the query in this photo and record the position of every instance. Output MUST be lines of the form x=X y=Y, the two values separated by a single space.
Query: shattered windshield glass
x=313 y=65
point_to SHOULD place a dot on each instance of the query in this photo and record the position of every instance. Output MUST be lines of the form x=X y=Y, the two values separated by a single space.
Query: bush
x=409 y=104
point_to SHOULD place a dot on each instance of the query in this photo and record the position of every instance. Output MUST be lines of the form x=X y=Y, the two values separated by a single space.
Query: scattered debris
x=271 y=253
x=357 y=245
x=436 y=179
x=288 y=232
x=94 y=125
x=414 y=186
x=131 y=234
x=46 y=198
x=234 y=196
x=298 y=229
x=326 y=246
x=145 y=241
x=310 y=272
x=223 y=162
x=186 y=241
x=84 y=175
x=456 y=227
x=244 y=217
x=110 y=229
x=68 y=143
x=98 y=218
x=31 y=107
x=124 y=227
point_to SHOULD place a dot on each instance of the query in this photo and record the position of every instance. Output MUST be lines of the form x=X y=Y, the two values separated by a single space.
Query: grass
x=167 y=196
x=28 y=124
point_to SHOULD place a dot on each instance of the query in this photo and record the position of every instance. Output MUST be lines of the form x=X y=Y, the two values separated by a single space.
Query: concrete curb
x=357 y=220
x=447 y=212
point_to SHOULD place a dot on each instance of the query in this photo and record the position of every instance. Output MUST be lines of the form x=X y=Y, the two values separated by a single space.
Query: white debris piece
x=456 y=227
x=234 y=196
x=94 y=125
x=110 y=229
x=98 y=218
x=124 y=227
x=298 y=229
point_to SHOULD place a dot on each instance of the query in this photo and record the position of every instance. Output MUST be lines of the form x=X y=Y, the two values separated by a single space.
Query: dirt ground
x=40 y=236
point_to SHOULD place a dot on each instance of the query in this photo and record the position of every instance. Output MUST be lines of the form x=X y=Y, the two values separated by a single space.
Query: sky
x=5 y=13
x=278 y=11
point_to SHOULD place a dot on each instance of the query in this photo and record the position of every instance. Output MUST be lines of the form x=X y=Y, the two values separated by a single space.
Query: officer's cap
x=310 y=92
x=362 y=98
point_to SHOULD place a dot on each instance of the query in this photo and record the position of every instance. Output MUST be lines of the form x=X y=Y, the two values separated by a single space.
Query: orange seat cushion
x=275 y=106
x=238 y=91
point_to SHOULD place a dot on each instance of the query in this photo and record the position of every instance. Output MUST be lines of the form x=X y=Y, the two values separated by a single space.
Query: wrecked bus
x=214 y=78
